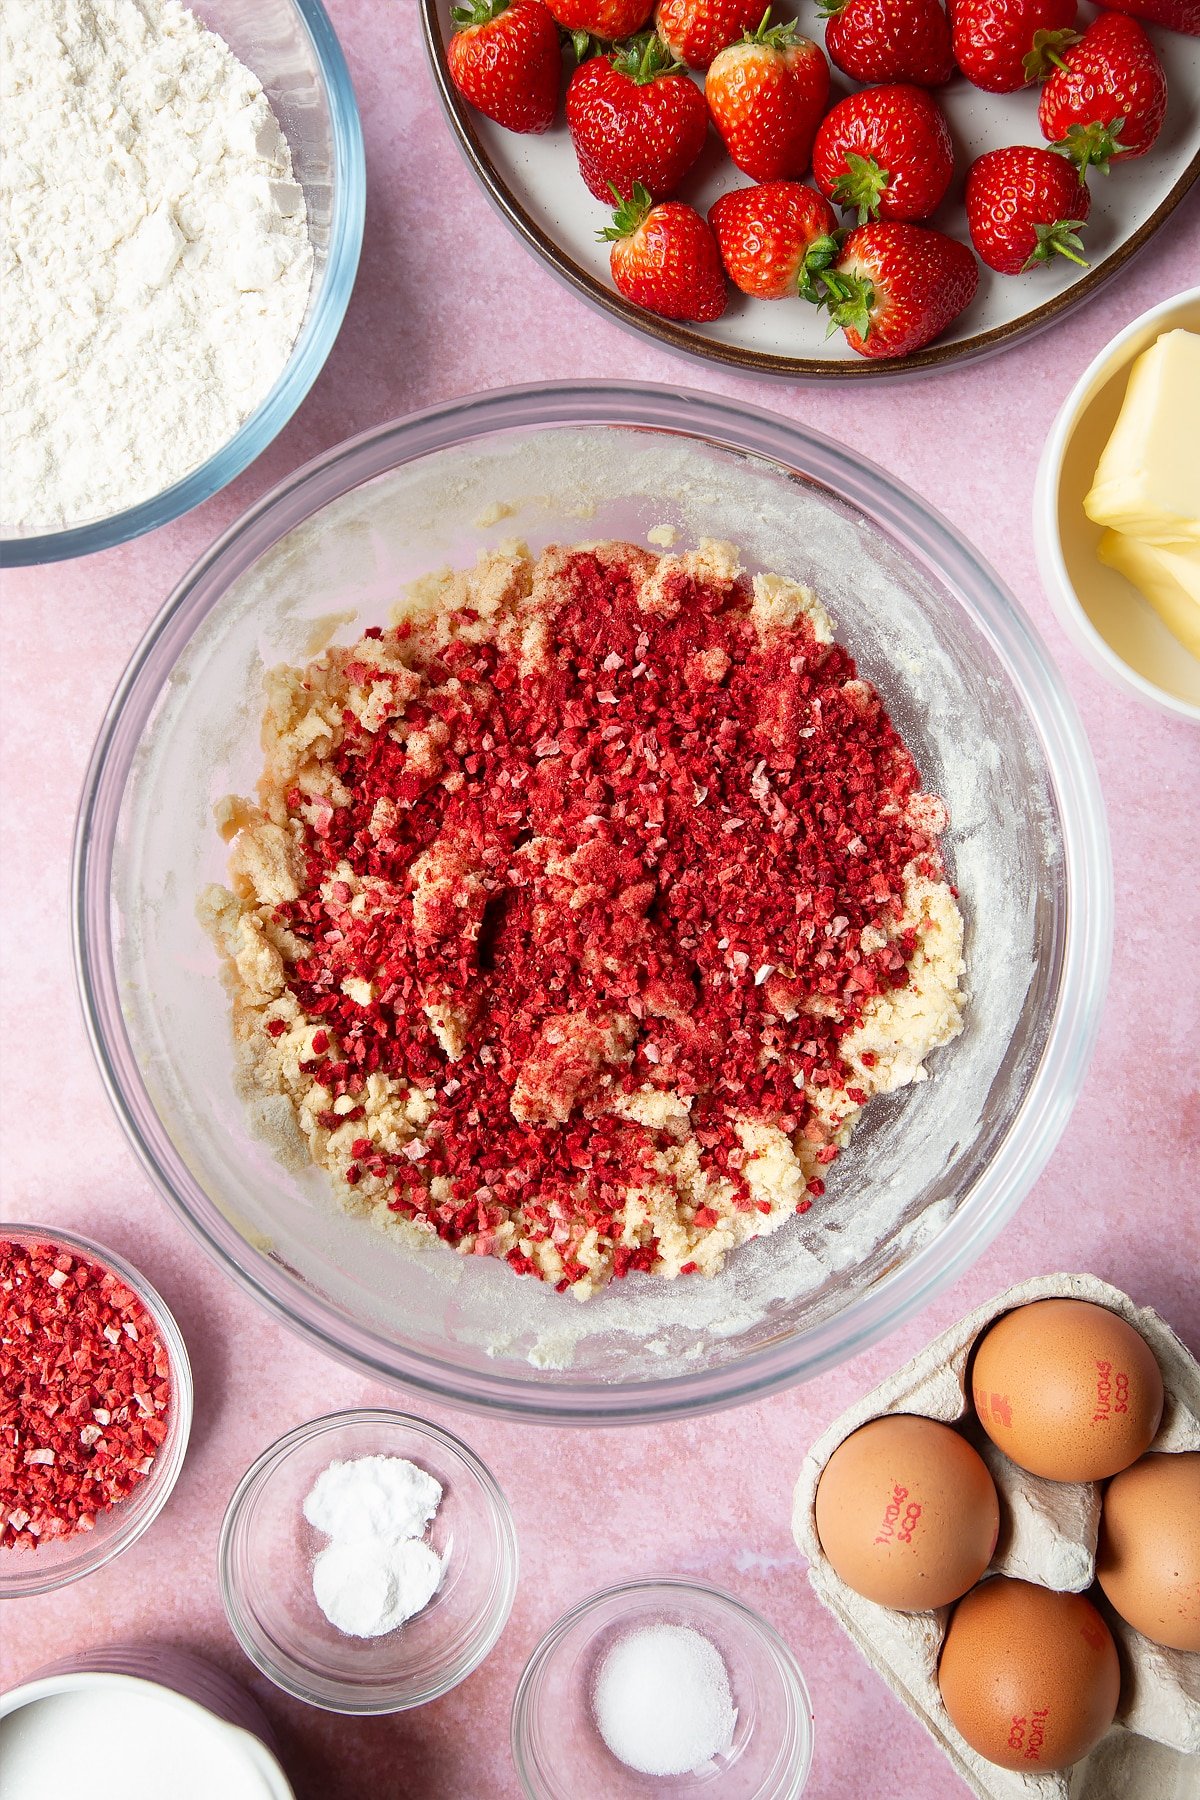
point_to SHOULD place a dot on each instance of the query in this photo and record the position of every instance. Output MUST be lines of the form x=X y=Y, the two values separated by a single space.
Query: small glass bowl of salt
x=662 y=1687
x=368 y=1562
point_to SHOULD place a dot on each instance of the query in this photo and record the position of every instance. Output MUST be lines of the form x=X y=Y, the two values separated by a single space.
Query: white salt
x=662 y=1701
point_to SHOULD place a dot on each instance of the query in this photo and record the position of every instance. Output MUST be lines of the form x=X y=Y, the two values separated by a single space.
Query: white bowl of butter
x=1125 y=448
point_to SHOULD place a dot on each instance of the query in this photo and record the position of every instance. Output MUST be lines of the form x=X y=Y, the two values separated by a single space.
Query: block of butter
x=1169 y=578
x=1147 y=483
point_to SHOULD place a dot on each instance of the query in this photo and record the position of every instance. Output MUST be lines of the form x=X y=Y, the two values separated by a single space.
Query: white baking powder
x=368 y=1589
x=662 y=1701
x=155 y=262
x=376 y=1571
x=385 y=1497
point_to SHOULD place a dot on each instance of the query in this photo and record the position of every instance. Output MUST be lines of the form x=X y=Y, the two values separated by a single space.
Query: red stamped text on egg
x=900 y=1517
x=1037 y=1735
x=1112 y=1392
x=996 y=1406
x=1029 y=1734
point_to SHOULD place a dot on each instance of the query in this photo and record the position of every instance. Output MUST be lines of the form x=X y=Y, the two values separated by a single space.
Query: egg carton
x=1048 y=1533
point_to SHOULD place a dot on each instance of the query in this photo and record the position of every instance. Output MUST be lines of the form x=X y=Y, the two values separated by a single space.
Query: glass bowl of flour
x=368 y=1562
x=187 y=206
x=934 y=1171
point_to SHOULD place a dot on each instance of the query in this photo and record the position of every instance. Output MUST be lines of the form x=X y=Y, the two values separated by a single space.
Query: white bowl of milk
x=54 y=1730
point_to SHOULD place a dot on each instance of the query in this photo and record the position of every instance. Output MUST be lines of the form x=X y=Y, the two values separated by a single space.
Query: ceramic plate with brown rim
x=535 y=184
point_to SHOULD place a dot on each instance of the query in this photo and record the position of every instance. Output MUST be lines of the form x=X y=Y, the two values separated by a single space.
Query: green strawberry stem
x=817 y=258
x=849 y=299
x=775 y=37
x=1060 y=239
x=477 y=12
x=1046 y=53
x=583 y=45
x=645 y=59
x=1092 y=146
x=629 y=214
x=861 y=186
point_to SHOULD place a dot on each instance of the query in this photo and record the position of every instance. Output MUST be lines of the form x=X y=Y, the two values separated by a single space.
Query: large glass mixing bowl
x=293 y=49
x=933 y=1173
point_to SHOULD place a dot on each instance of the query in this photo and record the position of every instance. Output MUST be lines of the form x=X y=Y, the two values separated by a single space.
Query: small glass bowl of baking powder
x=268 y=1549
x=59 y=1560
x=565 y=1691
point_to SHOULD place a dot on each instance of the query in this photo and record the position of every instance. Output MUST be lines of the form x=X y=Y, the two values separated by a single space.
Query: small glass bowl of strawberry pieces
x=95 y=1407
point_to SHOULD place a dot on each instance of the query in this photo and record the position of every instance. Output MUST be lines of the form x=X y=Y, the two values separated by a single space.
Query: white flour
x=154 y=261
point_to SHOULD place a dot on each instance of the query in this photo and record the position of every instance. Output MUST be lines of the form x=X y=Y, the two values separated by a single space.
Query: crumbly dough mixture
x=390 y=694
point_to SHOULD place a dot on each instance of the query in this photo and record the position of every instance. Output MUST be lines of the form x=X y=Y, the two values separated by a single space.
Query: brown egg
x=1149 y=1558
x=1067 y=1389
x=907 y=1513
x=1030 y=1677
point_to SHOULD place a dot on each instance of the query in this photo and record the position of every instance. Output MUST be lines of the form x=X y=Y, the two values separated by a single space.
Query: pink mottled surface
x=1119 y=1196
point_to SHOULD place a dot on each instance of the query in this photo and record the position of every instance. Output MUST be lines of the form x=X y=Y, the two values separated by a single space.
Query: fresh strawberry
x=609 y=19
x=697 y=30
x=774 y=238
x=1025 y=207
x=664 y=257
x=889 y=40
x=1000 y=45
x=885 y=153
x=505 y=59
x=1176 y=15
x=635 y=116
x=766 y=96
x=896 y=287
x=1106 y=98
